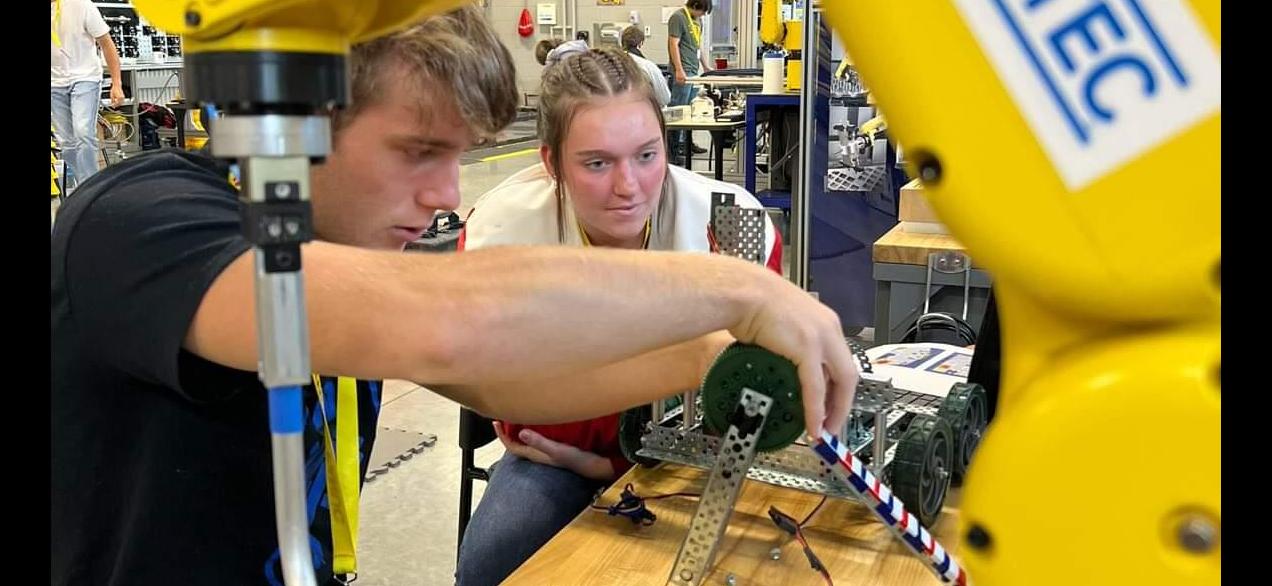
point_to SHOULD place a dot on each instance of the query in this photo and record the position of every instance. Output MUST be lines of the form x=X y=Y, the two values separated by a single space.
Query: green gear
x=744 y=365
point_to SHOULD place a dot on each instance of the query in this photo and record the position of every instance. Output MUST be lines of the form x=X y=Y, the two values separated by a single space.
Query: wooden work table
x=913 y=248
x=900 y=274
x=854 y=545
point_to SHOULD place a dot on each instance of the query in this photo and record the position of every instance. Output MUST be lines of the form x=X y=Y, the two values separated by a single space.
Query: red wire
x=825 y=574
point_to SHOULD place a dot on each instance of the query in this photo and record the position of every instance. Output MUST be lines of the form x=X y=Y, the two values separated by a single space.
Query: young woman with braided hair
x=603 y=180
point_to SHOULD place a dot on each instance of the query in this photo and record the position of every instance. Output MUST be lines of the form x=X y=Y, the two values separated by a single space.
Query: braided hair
x=574 y=81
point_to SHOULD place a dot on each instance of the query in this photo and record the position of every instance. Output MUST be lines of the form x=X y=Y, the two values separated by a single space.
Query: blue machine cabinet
x=836 y=229
x=754 y=104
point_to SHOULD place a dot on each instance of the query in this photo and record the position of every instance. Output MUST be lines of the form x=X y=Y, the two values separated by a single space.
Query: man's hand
x=788 y=321
x=680 y=76
x=536 y=448
x=116 y=96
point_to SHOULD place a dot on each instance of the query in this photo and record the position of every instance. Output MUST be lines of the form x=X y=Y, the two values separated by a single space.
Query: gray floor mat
x=394 y=446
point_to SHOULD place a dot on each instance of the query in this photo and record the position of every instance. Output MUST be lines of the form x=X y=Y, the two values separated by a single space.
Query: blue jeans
x=681 y=95
x=524 y=505
x=75 y=126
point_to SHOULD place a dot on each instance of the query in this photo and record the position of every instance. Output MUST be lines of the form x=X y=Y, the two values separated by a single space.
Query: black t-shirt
x=161 y=459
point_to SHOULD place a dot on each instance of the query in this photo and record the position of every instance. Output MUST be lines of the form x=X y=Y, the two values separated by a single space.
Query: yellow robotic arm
x=787 y=35
x=777 y=33
x=278 y=51
x=843 y=68
x=327 y=26
x=874 y=125
x=771 y=30
x=858 y=143
x=1082 y=190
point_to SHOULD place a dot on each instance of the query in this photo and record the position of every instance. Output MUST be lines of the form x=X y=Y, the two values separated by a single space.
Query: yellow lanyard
x=57 y=20
x=343 y=468
x=694 y=29
x=588 y=241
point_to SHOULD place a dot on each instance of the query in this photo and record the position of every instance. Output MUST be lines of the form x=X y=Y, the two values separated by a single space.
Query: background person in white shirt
x=632 y=39
x=77 y=32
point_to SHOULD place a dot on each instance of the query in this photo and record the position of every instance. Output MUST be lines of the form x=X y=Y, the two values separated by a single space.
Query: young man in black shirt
x=161 y=446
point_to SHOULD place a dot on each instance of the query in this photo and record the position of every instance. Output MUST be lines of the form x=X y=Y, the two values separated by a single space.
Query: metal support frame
x=736 y=453
x=274 y=152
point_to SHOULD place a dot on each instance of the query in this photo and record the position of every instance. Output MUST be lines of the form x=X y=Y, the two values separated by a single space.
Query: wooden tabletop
x=912 y=248
x=852 y=543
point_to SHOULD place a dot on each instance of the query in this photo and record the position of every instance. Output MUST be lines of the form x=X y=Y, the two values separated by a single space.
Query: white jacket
x=522 y=210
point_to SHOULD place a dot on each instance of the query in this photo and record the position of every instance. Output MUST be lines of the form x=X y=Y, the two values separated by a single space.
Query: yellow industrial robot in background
x=1072 y=146
x=786 y=34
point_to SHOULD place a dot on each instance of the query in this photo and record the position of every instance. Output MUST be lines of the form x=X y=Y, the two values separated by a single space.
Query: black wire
x=787 y=523
x=960 y=328
x=632 y=505
x=663 y=496
x=814 y=511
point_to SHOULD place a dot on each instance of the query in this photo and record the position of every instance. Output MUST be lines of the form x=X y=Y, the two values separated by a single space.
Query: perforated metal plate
x=849 y=179
x=794 y=466
x=873 y=396
x=849 y=85
x=723 y=485
x=921 y=403
x=740 y=232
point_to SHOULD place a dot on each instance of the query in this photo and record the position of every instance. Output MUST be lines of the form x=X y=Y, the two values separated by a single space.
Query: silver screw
x=775 y=553
x=1197 y=534
x=731 y=580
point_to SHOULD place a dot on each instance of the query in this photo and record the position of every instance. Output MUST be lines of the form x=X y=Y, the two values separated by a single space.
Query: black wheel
x=921 y=469
x=966 y=409
x=631 y=425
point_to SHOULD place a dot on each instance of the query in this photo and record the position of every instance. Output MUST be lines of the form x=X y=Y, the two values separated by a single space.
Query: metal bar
x=693 y=562
x=880 y=440
x=904 y=273
x=879 y=499
x=792 y=467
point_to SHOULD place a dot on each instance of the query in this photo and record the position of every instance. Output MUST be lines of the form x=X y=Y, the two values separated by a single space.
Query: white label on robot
x=1101 y=82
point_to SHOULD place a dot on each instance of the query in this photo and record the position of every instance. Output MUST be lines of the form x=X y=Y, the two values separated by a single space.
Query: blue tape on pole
x=827 y=453
x=286 y=411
